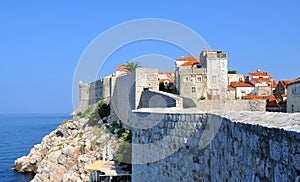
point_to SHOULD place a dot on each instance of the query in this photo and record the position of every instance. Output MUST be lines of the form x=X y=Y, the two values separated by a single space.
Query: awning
x=96 y=165
x=109 y=168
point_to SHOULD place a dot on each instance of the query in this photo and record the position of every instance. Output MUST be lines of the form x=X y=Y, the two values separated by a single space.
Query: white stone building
x=216 y=64
x=263 y=82
x=242 y=89
x=236 y=78
x=293 y=97
x=205 y=78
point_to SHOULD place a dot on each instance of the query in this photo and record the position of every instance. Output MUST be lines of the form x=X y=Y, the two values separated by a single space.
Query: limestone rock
x=64 y=157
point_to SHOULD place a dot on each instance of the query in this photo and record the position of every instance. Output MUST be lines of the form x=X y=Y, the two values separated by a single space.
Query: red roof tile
x=230 y=87
x=241 y=84
x=259 y=73
x=121 y=68
x=272 y=98
x=260 y=80
x=188 y=58
x=190 y=63
x=171 y=81
x=255 y=97
x=272 y=103
x=285 y=82
x=274 y=83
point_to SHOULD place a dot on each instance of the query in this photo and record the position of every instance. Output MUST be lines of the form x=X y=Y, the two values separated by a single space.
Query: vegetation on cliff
x=64 y=154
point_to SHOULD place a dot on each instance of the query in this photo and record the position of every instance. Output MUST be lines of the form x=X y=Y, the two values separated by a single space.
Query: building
x=166 y=81
x=204 y=78
x=273 y=106
x=281 y=92
x=293 y=96
x=263 y=82
x=242 y=89
x=216 y=64
x=100 y=90
x=121 y=71
x=190 y=78
x=236 y=78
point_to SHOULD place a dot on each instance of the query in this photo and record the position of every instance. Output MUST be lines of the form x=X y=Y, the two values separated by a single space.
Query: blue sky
x=41 y=42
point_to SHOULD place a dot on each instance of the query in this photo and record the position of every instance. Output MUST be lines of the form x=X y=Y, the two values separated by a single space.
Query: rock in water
x=64 y=154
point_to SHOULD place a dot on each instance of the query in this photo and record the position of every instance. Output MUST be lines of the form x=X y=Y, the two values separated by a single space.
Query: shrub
x=202 y=98
x=102 y=110
x=124 y=151
x=65 y=122
x=79 y=114
x=232 y=71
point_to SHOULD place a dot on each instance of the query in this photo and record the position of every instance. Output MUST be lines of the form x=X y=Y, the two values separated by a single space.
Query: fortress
x=179 y=138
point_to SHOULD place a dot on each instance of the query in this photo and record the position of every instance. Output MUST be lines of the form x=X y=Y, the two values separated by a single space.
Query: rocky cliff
x=64 y=154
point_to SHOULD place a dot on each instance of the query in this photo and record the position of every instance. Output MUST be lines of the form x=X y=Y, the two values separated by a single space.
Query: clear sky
x=42 y=41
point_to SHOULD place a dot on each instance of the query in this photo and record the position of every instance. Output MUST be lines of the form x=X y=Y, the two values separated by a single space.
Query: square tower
x=216 y=64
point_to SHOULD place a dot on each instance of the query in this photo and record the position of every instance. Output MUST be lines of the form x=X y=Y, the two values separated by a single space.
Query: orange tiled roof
x=190 y=63
x=297 y=80
x=272 y=98
x=285 y=82
x=121 y=68
x=258 y=73
x=272 y=103
x=256 y=97
x=171 y=81
x=274 y=83
x=166 y=72
x=260 y=80
x=241 y=84
x=188 y=58
x=230 y=87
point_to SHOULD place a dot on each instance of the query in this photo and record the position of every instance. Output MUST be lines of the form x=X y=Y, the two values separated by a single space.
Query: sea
x=19 y=133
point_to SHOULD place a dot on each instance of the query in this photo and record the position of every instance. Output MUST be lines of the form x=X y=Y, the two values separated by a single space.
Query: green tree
x=131 y=66
x=232 y=71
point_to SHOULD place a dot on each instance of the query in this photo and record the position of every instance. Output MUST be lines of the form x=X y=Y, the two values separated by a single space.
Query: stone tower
x=84 y=95
x=216 y=64
x=84 y=92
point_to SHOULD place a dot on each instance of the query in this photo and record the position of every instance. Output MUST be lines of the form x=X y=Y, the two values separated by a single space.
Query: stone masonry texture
x=247 y=146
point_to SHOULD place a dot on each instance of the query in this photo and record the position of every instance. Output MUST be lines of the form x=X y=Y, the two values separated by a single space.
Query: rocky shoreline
x=64 y=154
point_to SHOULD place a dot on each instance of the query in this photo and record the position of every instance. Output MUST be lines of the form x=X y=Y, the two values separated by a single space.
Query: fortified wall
x=130 y=92
x=189 y=145
x=178 y=139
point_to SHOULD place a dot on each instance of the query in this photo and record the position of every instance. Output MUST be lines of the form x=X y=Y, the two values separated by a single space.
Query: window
x=296 y=90
x=214 y=79
x=199 y=79
x=186 y=79
x=193 y=89
x=214 y=92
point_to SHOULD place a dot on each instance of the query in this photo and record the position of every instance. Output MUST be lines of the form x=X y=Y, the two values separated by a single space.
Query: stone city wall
x=228 y=105
x=249 y=146
x=159 y=99
x=128 y=89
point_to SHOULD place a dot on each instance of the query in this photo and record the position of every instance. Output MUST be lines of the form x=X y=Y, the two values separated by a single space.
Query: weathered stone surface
x=248 y=146
x=64 y=158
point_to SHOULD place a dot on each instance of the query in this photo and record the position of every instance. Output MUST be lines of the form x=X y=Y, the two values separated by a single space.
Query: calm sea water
x=19 y=133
